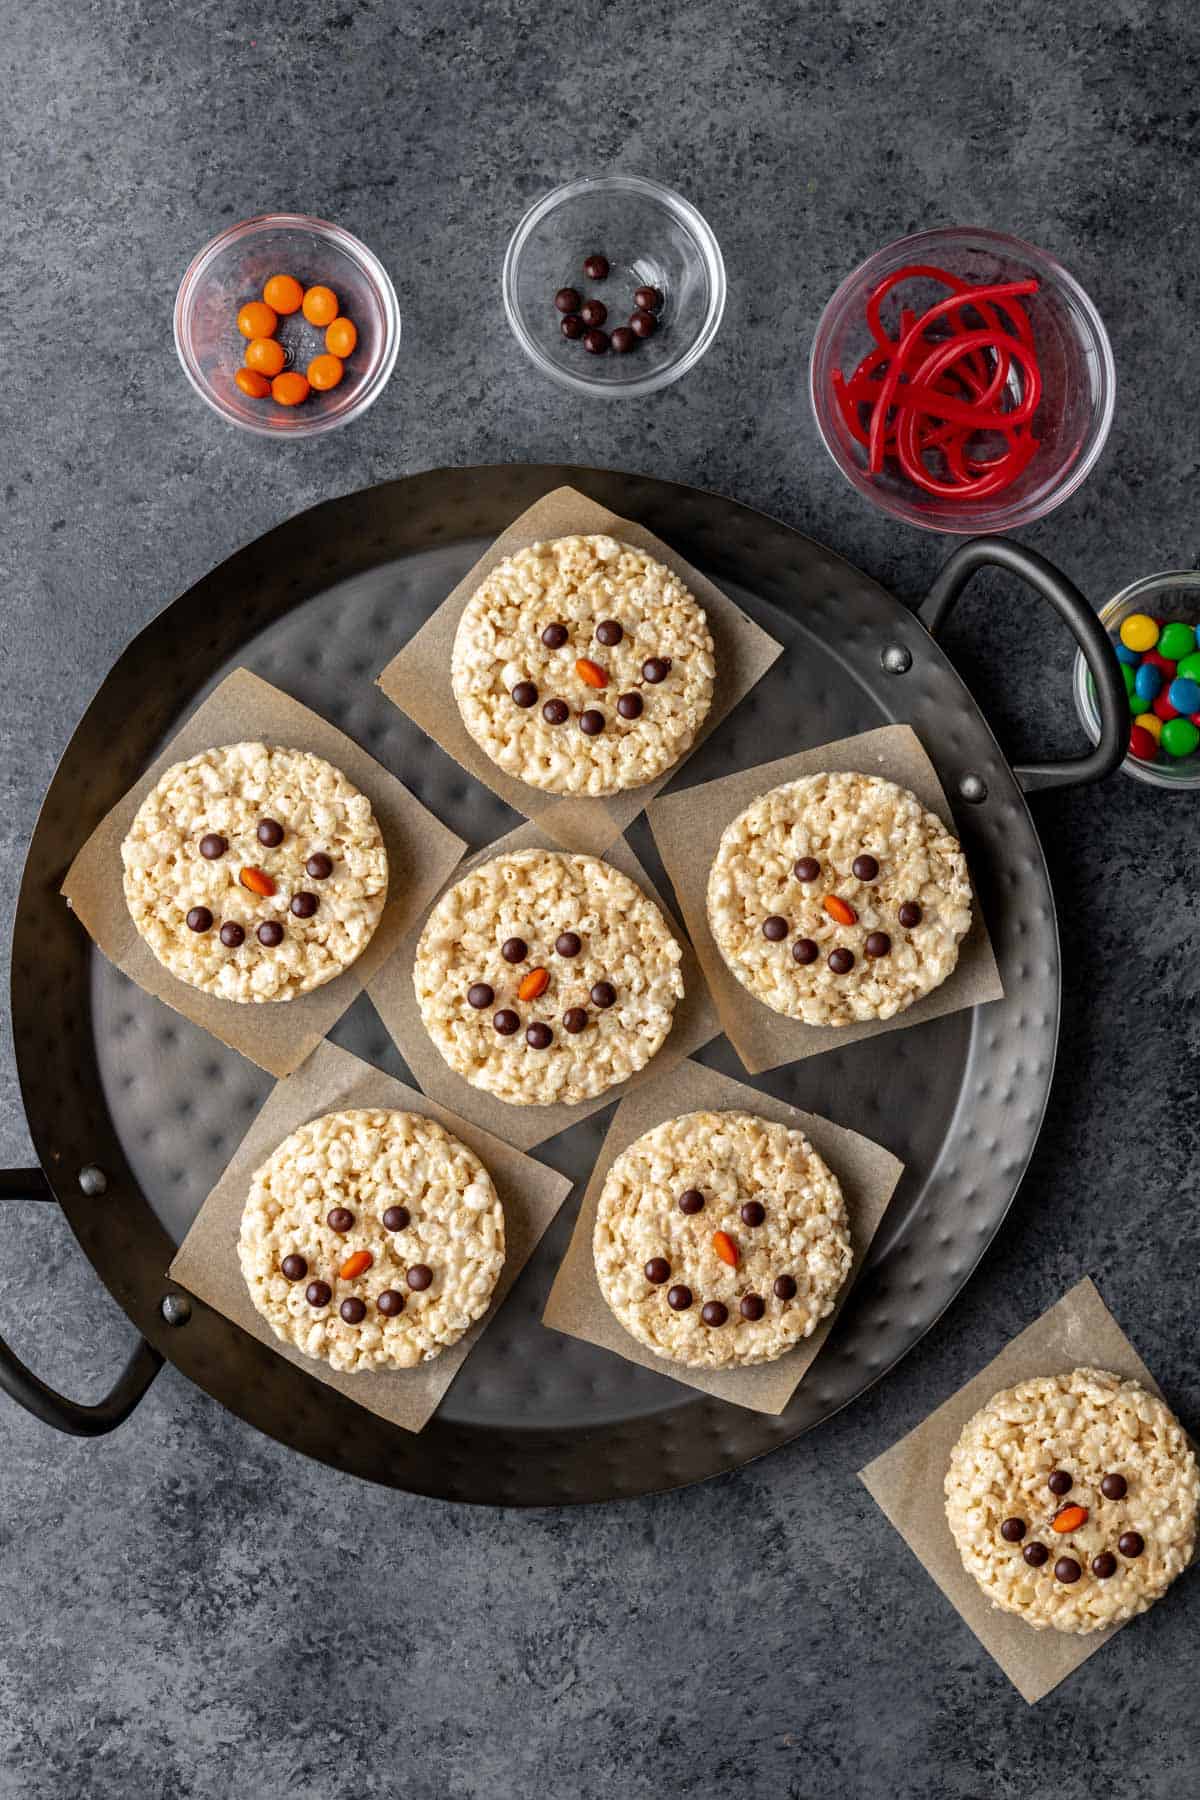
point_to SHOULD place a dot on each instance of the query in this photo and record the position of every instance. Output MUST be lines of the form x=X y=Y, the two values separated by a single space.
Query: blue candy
x=1148 y=682
x=1184 y=695
x=1126 y=655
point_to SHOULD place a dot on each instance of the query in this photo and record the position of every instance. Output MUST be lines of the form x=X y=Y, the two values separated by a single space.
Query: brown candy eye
x=419 y=1277
x=270 y=833
x=865 y=868
x=807 y=868
x=1013 y=1530
x=909 y=915
x=319 y=866
x=691 y=1201
x=608 y=631
x=340 y=1218
x=1059 y=1482
x=514 y=950
x=1131 y=1543
x=753 y=1213
x=785 y=1287
x=1114 y=1487
x=568 y=943
x=396 y=1218
x=213 y=845
x=555 y=636
x=656 y=669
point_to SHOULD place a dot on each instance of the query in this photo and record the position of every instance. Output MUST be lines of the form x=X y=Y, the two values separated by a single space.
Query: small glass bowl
x=1076 y=410
x=652 y=237
x=1173 y=595
x=232 y=269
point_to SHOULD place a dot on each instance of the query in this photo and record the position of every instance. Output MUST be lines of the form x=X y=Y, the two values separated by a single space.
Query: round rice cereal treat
x=583 y=666
x=255 y=873
x=721 y=1239
x=371 y=1240
x=1073 y=1500
x=839 y=898
x=544 y=976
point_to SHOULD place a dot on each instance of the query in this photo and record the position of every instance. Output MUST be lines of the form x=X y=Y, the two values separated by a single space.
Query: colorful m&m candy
x=1160 y=667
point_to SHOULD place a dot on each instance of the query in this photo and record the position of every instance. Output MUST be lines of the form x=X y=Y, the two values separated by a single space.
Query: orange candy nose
x=257 y=882
x=358 y=1264
x=1070 y=1518
x=533 y=984
x=725 y=1248
x=837 y=909
x=591 y=672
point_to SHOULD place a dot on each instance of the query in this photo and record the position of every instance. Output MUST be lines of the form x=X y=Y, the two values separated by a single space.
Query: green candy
x=1177 y=640
x=1190 y=666
x=1179 y=737
x=1130 y=677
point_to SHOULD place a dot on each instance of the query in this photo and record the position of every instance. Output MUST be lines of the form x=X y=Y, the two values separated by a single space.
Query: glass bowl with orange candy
x=287 y=325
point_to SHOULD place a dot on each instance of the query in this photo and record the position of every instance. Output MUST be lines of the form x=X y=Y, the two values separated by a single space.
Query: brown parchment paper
x=418 y=677
x=395 y=1000
x=421 y=853
x=906 y=1482
x=332 y=1080
x=868 y=1174
x=687 y=828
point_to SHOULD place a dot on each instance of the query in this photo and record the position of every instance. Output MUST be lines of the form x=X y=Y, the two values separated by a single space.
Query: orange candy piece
x=258 y=882
x=324 y=372
x=341 y=337
x=267 y=355
x=252 y=383
x=725 y=1248
x=257 y=321
x=533 y=984
x=591 y=672
x=838 y=909
x=290 y=388
x=284 y=293
x=1070 y=1518
x=320 y=305
x=356 y=1264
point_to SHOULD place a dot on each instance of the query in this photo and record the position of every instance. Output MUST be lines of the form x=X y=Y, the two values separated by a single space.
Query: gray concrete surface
x=187 y=1610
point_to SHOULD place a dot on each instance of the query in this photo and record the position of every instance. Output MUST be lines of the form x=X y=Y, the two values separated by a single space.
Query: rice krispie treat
x=255 y=873
x=371 y=1240
x=583 y=666
x=839 y=898
x=721 y=1239
x=545 y=976
x=1072 y=1499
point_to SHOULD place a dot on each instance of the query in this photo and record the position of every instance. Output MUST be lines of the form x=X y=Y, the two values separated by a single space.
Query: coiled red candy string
x=918 y=393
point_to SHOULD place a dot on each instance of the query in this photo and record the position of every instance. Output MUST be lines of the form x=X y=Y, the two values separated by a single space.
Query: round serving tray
x=134 y=1112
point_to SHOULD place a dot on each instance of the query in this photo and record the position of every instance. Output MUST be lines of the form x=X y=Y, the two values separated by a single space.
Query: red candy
x=1141 y=744
x=1162 y=706
x=1160 y=662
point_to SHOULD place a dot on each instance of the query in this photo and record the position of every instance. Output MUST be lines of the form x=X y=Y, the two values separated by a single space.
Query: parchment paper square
x=421 y=853
x=687 y=828
x=332 y=1080
x=418 y=677
x=395 y=1000
x=868 y=1174
x=906 y=1482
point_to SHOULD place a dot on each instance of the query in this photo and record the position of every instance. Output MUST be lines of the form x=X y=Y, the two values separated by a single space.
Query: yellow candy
x=1139 y=632
x=1152 y=723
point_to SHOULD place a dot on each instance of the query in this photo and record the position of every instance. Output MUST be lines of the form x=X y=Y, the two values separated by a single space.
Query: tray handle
x=1053 y=586
x=52 y=1408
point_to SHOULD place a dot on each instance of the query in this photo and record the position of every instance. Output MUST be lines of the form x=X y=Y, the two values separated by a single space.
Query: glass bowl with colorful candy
x=1155 y=628
x=962 y=380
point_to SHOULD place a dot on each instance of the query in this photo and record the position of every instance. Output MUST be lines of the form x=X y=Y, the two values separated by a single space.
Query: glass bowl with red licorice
x=962 y=380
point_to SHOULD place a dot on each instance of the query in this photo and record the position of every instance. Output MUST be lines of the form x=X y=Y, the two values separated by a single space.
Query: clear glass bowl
x=1072 y=421
x=652 y=237
x=232 y=269
x=1173 y=595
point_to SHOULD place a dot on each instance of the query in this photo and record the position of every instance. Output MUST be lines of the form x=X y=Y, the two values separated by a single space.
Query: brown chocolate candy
x=199 y=919
x=396 y=1218
x=419 y=1277
x=213 y=845
x=479 y=995
x=691 y=1201
x=714 y=1313
x=270 y=833
x=657 y=1270
x=294 y=1268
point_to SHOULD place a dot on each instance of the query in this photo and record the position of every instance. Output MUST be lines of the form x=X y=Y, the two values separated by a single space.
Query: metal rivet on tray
x=176 y=1309
x=93 y=1181
x=896 y=659
x=973 y=788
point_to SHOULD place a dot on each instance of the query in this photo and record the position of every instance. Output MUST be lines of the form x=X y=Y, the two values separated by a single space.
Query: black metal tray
x=134 y=1112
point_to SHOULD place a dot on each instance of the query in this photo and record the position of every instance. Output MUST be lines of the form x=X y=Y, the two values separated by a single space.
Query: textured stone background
x=187 y=1610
